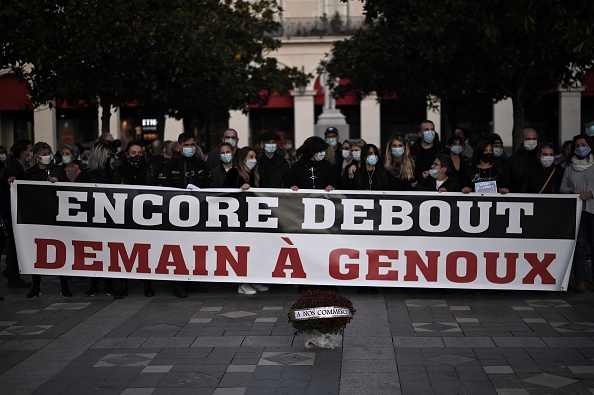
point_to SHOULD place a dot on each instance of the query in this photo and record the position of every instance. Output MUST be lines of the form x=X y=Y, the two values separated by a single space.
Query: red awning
x=348 y=100
x=588 y=83
x=14 y=94
x=276 y=101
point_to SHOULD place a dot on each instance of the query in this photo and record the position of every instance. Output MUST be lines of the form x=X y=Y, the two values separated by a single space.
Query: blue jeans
x=585 y=240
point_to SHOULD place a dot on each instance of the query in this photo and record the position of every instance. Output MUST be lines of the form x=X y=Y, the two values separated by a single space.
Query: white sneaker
x=260 y=287
x=246 y=289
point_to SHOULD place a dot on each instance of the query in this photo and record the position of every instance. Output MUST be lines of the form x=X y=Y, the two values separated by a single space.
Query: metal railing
x=319 y=26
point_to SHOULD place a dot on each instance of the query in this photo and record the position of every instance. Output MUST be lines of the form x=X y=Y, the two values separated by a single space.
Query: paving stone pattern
x=401 y=341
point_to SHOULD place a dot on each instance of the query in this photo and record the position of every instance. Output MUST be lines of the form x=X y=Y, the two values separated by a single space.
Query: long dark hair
x=311 y=146
x=479 y=148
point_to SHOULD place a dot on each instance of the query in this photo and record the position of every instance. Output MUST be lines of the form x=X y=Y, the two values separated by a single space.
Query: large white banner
x=386 y=239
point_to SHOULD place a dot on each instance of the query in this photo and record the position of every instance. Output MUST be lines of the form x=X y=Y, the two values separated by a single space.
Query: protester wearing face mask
x=371 y=176
x=272 y=165
x=498 y=151
x=348 y=173
x=230 y=137
x=399 y=165
x=440 y=177
x=3 y=159
x=545 y=178
x=219 y=173
x=70 y=163
x=482 y=168
x=184 y=168
x=578 y=178
x=15 y=169
x=134 y=170
x=44 y=170
x=523 y=162
x=311 y=171
x=426 y=147
x=459 y=160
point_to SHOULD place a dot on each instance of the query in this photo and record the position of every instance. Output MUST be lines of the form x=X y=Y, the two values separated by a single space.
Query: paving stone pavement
x=401 y=341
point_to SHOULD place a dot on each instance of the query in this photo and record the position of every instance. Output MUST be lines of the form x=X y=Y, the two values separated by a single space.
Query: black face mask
x=135 y=161
x=487 y=158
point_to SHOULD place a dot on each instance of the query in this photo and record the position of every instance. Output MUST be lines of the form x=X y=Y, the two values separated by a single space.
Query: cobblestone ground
x=401 y=341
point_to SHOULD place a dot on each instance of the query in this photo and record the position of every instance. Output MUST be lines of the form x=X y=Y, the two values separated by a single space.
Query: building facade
x=309 y=28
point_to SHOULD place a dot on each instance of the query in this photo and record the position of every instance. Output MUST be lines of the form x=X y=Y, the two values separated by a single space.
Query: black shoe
x=148 y=289
x=66 y=293
x=120 y=289
x=34 y=293
x=108 y=288
x=179 y=291
x=93 y=290
x=18 y=283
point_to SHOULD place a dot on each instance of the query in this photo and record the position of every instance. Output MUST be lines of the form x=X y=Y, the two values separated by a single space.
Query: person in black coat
x=185 y=167
x=399 y=165
x=523 y=162
x=483 y=167
x=219 y=173
x=440 y=177
x=272 y=165
x=547 y=177
x=22 y=152
x=311 y=171
x=182 y=169
x=370 y=176
x=426 y=147
x=45 y=170
x=135 y=170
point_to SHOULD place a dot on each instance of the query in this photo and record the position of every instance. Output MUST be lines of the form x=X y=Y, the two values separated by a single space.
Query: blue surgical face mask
x=433 y=173
x=331 y=141
x=497 y=151
x=320 y=156
x=270 y=148
x=189 y=152
x=397 y=152
x=357 y=155
x=457 y=149
x=372 y=160
x=582 y=151
x=227 y=157
x=66 y=160
x=251 y=163
x=429 y=136
x=345 y=153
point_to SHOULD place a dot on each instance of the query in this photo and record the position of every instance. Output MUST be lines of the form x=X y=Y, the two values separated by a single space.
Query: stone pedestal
x=332 y=117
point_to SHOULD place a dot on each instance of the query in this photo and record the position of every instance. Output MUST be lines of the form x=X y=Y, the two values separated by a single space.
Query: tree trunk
x=519 y=118
x=105 y=116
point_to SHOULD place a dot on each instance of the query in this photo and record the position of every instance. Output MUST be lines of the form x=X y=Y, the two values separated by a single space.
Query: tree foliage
x=180 y=57
x=468 y=49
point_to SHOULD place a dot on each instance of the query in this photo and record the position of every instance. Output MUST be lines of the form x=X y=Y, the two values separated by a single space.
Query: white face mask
x=529 y=145
x=46 y=159
x=357 y=155
x=231 y=141
x=3 y=157
x=251 y=163
x=331 y=141
x=546 y=161
x=345 y=153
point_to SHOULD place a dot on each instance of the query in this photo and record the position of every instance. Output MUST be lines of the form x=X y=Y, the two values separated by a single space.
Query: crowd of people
x=319 y=163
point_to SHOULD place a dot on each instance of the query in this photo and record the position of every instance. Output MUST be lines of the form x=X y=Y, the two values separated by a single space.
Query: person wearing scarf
x=579 y=179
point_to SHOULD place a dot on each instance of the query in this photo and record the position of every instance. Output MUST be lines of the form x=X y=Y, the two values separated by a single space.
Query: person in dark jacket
x=482 y=168
x=399 y=164
x=182 y=169
x=135 y=170
x=15 y=170
x=99 y=172
x=272 y=165
x=185 y=167
x=230 y=137
x=311 y=171
x=426 y=148
x=459 y=160
x=370 y=176
x=219 y=173
x=440 y=177
x=523 y=162
x=547 y=177
x=45 y=170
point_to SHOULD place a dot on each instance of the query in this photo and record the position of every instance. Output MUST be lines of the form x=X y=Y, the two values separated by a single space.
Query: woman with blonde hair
x=399 y=164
